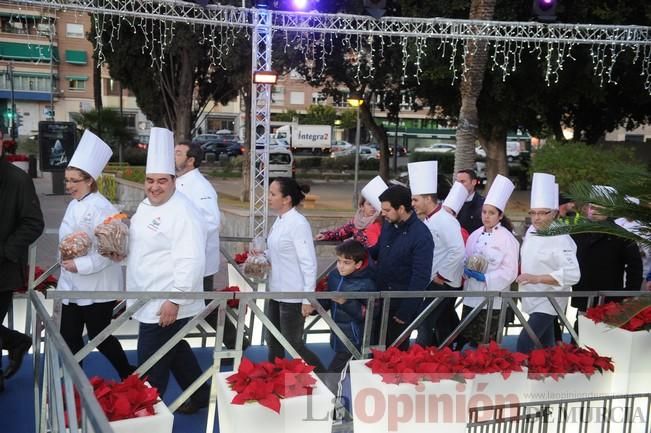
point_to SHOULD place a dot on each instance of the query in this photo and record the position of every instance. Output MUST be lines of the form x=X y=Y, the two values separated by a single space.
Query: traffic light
x=545 y=10
x=19 y=119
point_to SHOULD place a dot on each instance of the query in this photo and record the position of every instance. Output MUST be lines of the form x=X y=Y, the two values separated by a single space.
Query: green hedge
x=446 y=160
x=574 y=161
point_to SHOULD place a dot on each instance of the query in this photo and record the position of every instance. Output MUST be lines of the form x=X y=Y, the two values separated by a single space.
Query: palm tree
x=475 y=58
x=107 y=124
x=630 y=198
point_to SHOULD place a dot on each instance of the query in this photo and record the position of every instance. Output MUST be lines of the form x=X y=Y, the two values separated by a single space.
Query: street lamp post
x=355 y=101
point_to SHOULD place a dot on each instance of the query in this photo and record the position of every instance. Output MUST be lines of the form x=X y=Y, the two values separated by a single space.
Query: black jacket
x=403 y=257
x=470 y=213
x=21 y=223
x=604 y=260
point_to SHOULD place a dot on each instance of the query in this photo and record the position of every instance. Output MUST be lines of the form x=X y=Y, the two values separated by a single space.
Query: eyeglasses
x=73 y=180
x=539 y=213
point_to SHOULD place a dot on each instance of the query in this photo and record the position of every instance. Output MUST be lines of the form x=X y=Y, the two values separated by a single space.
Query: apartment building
x=46 y=58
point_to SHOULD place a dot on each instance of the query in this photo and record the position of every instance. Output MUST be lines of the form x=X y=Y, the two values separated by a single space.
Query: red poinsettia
x=50 y=281
x=130 y=398
x=267 y=383
x=631 y=314
x=559 y=360
x=241 y=257
x=492 y=358
x=233 y=303
x=416 y=364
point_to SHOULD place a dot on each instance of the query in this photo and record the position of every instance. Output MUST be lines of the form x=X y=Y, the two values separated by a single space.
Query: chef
x=453 y=203
x=167 y=254
x=447 y=261
x=496 y=249
x=89 y=272
x=548 y=263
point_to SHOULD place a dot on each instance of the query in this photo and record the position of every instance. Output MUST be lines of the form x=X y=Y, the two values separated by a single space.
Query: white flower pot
x=428 y=407
x=630 y=351
x=494 y=390
x=301 y=414
x=161 y=422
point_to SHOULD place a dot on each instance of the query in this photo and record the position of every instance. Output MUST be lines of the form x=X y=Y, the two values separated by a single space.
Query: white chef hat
x=160 y=152
x=371 y=192
x=91 y=154
x=544 y=193
x=500 y=192
x=456 y=197
x=422 y=177
x=633 y=200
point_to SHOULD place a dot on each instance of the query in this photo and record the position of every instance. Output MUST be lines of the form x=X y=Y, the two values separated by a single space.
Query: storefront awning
x=27 y=52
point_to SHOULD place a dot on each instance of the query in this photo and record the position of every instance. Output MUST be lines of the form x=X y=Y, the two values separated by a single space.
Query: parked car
x=365 y=152
x=218 y=147
x=340 y=145
x=437 y=148
x=281 y=162
x=513 y=151
x=401 y=149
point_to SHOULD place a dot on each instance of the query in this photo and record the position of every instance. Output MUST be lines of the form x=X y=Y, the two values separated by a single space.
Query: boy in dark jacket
x=351 y=275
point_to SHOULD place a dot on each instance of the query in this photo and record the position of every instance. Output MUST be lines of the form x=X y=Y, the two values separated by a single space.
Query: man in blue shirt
x=404 y=258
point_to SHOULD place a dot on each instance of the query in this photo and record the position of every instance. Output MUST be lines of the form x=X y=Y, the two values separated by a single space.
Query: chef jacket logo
x=154 y=224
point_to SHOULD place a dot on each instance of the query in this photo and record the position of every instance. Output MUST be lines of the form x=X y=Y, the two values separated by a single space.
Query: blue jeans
x=180 y=360
x=543 y=326
x=289 y=320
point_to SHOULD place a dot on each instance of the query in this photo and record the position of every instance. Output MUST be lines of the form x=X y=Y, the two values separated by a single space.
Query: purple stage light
x=546 y=4
x=299 y=4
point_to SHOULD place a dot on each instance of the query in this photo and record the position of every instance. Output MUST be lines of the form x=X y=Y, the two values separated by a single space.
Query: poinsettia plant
x=233 y=303
x=49 y=282
x=241 y=257
x=417 y=364
x=631 y=314
x=131 y=398
x=492 y=358
x=269 y=382
x=562 y=359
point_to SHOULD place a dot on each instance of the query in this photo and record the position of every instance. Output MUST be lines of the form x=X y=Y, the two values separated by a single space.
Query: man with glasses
x=20 y=225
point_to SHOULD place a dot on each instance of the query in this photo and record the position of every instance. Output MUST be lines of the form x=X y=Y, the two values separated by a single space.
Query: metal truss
x=314 y=22
x=608 y=42
x=260 y=128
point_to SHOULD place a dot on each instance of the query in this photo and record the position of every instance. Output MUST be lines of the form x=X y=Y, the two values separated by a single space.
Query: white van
x=281 y=162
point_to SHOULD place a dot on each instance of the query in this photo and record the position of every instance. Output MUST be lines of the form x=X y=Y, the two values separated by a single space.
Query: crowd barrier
x=56 y=369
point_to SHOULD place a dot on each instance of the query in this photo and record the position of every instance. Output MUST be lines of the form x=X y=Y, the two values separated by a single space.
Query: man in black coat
x=470 y=213
x=607 y=262
x=20 y=225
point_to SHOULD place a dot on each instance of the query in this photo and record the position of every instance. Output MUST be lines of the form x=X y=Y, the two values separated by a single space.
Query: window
x=297 y=98
x=277 y=95
x=129 y=119
x=111 y=87
x=74 y=30
x=76 y=84
x=318 y=97
x=27 y=82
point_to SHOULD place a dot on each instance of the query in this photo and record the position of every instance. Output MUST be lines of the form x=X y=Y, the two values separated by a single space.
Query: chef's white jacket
x=167 y=246
x=204 y=197
x=94 y=272
x=500 y=248
x=292 y=256
x=449 y=249
x=548 y=255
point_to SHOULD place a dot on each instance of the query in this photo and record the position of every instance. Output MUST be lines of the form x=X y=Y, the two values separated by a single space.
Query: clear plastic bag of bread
x=256 y=267
x=113 y=236
x=76 y=244
x=477 y=263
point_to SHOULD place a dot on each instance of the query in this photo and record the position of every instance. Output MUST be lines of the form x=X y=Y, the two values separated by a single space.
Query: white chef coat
x=204 y=197
x=292 y=256
x=500 y=248
x=548 y=255
x=166 y=254
x=449 y=249
x=94 y=272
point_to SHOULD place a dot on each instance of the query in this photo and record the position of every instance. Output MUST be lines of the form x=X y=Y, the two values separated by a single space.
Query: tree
x=174 y=87
x=475 y=58
x=107 y=124
x=318 y=114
